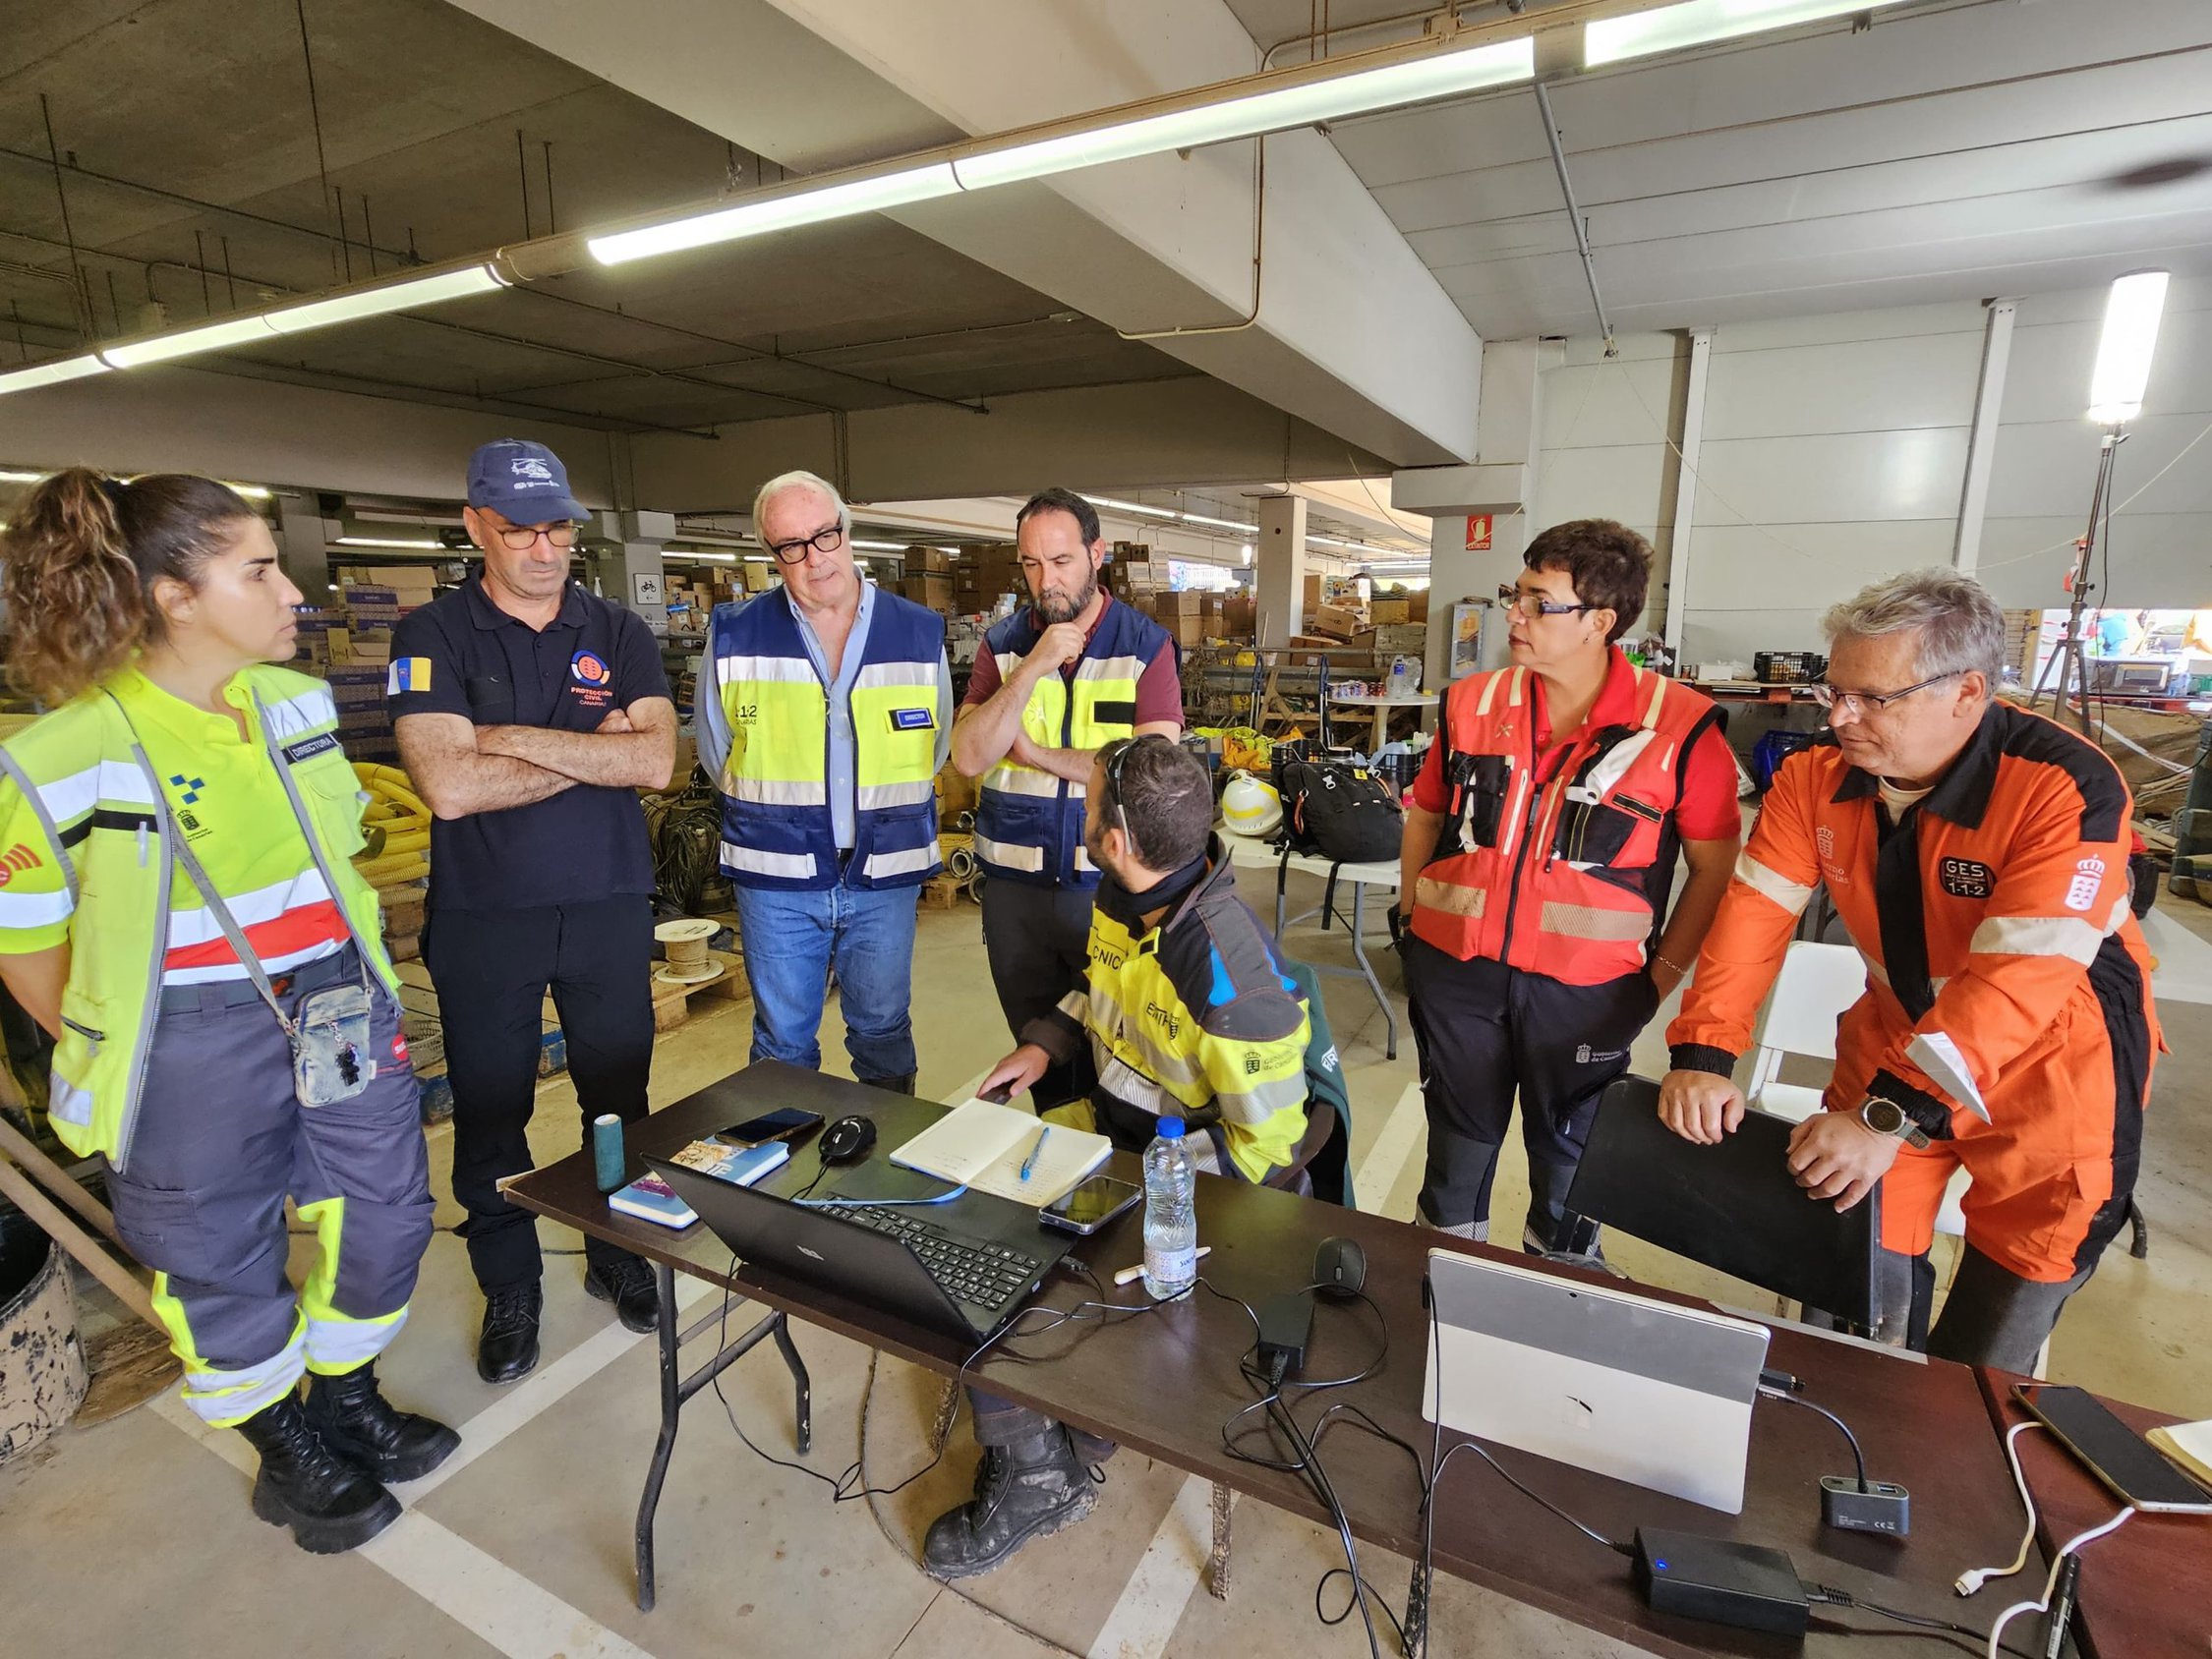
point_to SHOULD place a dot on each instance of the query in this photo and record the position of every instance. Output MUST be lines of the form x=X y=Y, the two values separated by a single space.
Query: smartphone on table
x=1090 y=1205
x=787 y=1124
x=2129 y=1465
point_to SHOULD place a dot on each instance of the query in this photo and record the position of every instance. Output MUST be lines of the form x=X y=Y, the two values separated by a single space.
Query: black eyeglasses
x=1857 y=703
x=821 y=542
x=1533 y=606
x=521 y=537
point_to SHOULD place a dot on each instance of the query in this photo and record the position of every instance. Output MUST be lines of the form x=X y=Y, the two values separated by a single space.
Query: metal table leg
x=1366 y=970
x=676 y=1389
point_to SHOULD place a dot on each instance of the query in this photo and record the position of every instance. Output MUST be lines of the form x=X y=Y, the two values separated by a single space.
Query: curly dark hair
x=1608 y=564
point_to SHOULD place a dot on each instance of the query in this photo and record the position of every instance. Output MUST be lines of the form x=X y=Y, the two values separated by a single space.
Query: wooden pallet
x=672 y=1004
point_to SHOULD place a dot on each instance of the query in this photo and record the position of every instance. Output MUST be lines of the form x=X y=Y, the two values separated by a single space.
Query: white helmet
x=1249 y=806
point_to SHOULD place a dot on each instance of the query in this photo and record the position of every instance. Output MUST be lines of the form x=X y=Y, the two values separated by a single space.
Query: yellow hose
x=391 y=870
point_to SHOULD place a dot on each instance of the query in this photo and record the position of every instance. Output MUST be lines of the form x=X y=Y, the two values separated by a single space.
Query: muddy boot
x=1031 y=1489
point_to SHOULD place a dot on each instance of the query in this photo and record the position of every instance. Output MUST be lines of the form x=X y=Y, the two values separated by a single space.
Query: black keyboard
x=985 y=1276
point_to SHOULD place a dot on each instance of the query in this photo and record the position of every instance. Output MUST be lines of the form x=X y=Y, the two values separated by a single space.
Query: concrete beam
x=1342 y=324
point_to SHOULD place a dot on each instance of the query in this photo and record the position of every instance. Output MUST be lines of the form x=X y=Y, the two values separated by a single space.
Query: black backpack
x=1341 y=812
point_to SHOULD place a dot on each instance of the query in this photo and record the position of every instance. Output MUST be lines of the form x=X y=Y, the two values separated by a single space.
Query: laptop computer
x=1734 y=1206
x=1647 y=1392
x=963 y=1273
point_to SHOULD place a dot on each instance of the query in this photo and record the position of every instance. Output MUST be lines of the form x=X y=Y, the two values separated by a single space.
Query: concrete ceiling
x=200 y=190
x=1954 y=149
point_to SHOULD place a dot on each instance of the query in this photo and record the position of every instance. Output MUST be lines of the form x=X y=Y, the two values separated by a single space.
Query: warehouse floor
x=521 y=1544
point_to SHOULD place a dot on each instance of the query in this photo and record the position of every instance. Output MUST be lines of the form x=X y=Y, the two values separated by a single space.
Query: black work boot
x=507 y=1346
x=329 y=1505
x=356 y=1422
x=630 y=1283
x=897 y=1085
x=1031 y=1489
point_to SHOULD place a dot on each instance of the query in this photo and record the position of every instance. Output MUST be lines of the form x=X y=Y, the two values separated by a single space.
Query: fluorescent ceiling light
x=1244 y=555
x=2124 y=353
x=1364 y=90
x=781 y=212
x=212 y=337
x=51 y=373
x=1112 y=506
x=756 y=559
x=12 y=476
x=252 y=491
x=1218 y=524
x=391 y=297
x=1697 y=23
x=718 y=558
x=389 y=541
x=881 y=546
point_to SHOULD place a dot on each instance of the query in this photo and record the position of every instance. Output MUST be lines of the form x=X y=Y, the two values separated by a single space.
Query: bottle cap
x=1171 y=1129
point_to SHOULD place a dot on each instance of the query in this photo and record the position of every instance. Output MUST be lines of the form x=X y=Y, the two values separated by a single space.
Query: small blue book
x=652 y=1199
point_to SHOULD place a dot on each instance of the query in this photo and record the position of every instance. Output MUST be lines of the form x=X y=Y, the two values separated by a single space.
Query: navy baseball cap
x=524 y=482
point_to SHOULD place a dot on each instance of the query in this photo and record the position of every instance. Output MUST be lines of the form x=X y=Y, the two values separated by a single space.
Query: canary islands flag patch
x=407 y=673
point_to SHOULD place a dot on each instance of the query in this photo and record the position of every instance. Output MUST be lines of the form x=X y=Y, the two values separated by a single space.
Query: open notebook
x=982 y=1146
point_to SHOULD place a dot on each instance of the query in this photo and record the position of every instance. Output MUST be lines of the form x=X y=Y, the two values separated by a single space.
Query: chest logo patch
x=1966 y=877
x=913 y=719
x=2088 y=876
x=18 y=857
x=1825 y=839
x=589 y=668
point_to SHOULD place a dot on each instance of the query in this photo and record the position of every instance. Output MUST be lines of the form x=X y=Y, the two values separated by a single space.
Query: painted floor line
x=1167 y=1574
x=1379 y=1172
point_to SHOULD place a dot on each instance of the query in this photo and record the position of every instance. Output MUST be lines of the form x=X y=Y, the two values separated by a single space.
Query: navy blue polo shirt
x=462 y=655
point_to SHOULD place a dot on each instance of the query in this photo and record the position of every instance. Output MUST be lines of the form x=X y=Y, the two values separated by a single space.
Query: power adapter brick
x=1719 y=1581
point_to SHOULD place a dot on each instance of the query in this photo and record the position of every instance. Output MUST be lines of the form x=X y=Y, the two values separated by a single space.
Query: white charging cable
x=1968 y=1582
x=2050 y=1584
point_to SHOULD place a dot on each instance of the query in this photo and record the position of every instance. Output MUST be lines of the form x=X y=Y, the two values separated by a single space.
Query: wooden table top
x=1164 y=1381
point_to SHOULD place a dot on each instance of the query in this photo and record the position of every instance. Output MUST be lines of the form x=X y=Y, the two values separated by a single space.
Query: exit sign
x=1478 y=532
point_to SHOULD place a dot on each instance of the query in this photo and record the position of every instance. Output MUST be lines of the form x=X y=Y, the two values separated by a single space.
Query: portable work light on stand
x=2115 y=397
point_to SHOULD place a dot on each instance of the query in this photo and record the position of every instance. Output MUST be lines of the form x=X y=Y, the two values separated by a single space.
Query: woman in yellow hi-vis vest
x=179 y=910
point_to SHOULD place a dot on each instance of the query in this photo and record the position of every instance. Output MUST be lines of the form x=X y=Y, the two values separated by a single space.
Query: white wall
x=1835 y=450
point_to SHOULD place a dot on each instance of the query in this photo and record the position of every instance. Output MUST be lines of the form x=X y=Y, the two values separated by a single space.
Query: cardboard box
x=1313 y=592
x=928 y=561
x=1186 y=630
x=935 y=591
x=1336 y=621
x=1171 y=606
x=1240 y=616
x=1383 y=612
x=1402 y=639
x=1417 y=605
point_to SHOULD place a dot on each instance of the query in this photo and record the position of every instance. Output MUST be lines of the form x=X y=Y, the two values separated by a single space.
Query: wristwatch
x=1888 y=1117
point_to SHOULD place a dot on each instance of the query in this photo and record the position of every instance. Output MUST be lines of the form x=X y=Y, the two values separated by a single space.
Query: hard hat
x=1250 y=807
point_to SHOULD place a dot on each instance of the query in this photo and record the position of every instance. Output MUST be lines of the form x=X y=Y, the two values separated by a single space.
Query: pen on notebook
x=1030 y=1163
x=1131 y=1275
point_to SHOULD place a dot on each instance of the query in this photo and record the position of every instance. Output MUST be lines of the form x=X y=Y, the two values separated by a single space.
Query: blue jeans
x=793 y=940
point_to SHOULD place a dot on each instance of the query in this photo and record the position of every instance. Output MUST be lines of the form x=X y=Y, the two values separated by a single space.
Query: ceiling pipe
x=1574 y=217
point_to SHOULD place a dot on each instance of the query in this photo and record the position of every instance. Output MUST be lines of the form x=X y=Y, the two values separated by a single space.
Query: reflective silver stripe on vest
x=1167 y=1064
x=1022 y=780
x=881 y=797
x=1117 y=1077
x=2070 y=937
x=897 y=673
x=787 y=668
x=1586 y=921
x=1013 y=857
x=34 y=909
x=766 y=792
x=66 y=1101
x=69 y=798
x=1082 y=858
x=1449 y=898
x=1253 y=1107
x=907 y=863
x=297 y=715
x=1110 y=669
x=1772 y=885
x=351 y=1342
x=790 y=866
x=231 y=1397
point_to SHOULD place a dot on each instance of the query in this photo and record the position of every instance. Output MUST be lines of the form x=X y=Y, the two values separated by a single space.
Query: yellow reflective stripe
x=1449 y=898
x=1772 y=884
x=904 y=863
x=1587 y=921
x=784 y=740
x=2069 y=937
x=789 y=865
x=877 y=675
x=763 y=792
x=1010 y=854
x=880 y=797
x=733 y=671
x=1022 y=780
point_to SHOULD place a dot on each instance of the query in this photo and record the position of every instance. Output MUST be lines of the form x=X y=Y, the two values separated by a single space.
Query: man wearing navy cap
x=530 y=711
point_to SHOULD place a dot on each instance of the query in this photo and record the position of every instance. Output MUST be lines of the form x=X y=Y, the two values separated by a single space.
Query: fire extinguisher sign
x=1478 y=532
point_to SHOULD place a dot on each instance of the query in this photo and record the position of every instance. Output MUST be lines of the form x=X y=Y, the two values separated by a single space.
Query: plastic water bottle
x=1171 y=1213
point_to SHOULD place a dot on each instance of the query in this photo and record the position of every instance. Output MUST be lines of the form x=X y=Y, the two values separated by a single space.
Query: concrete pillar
x=1481 y=512
x=1279 y=568
x=631 y=570
x=303 y=546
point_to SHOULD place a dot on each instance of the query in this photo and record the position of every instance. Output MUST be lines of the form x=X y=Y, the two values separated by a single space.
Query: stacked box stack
x=363 y=717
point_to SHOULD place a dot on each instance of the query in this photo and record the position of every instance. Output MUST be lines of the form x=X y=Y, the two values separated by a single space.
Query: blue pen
x=1030 y=1163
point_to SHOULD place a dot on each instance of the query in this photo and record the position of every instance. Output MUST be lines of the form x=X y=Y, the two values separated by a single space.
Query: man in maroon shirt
x=1055 y=682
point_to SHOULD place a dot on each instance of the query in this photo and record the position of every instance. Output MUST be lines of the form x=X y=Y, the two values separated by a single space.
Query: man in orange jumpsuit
x=1978 y=854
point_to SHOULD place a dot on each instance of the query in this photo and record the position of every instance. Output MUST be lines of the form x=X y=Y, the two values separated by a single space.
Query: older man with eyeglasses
x=530 y=711
x=824 y=716
x=1978 y=854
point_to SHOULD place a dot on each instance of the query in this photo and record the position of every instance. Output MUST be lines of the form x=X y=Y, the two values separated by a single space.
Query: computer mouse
x=1340 y=1267
x=847 y=1140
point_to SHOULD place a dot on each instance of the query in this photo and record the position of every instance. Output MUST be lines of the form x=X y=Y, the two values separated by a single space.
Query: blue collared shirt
x=712 y=730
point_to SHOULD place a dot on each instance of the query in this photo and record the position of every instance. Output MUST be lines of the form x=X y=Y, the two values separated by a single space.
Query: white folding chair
x=1817 y=982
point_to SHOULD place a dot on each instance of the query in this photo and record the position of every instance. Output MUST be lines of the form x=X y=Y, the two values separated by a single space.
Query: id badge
x=330 y=1052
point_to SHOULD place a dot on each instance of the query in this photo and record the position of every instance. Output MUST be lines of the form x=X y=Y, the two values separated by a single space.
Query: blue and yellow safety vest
x=777 y=833
x=1030 y=822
